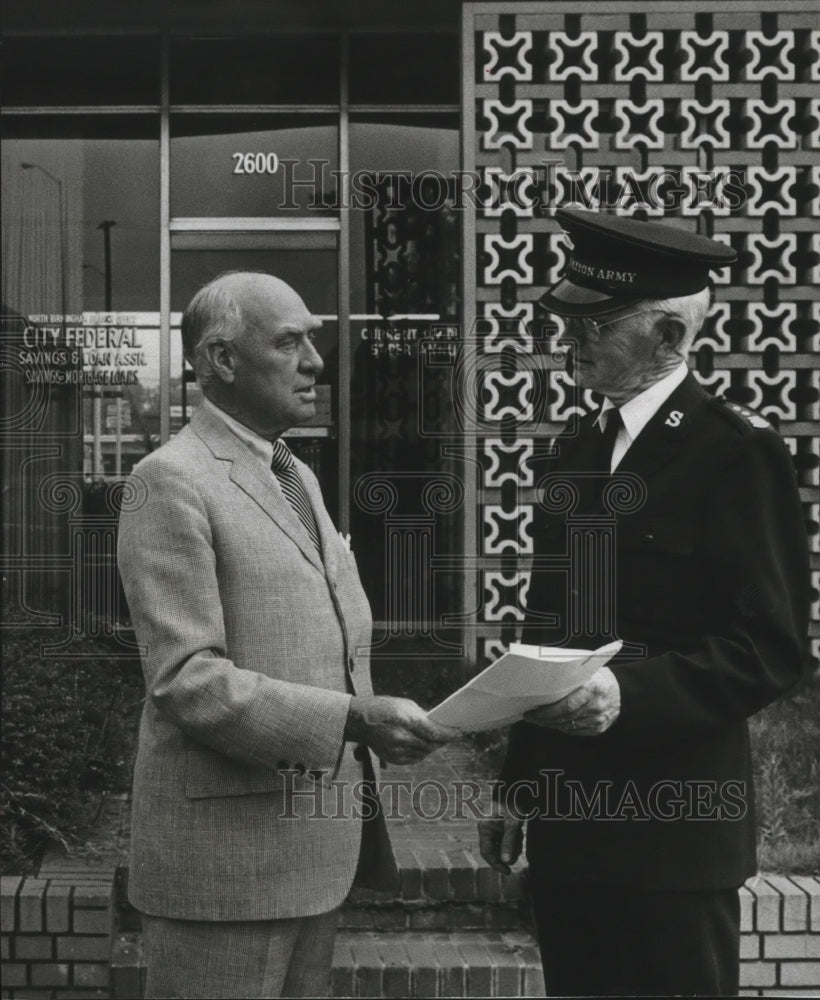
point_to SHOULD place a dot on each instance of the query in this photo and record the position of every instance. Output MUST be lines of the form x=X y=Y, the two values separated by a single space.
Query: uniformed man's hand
x=587 y=711
x=500 y=840
x=397 y=730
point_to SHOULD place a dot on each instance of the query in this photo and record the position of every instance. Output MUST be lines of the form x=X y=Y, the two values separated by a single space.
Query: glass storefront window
x=281 y=69
x=81 y=278
x=254 y=126
x=80 y=71
x=404 y=230
x=253 y=165
x=404 y=330
x=402 y=68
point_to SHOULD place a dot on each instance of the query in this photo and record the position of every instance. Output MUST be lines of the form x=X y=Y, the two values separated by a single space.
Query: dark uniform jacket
x=711 y=578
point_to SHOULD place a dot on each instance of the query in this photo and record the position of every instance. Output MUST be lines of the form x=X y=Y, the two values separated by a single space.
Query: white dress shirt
x=261 y=449
x=637 y=413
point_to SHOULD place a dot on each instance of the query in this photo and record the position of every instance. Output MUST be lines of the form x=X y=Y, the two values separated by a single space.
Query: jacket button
x=360 y=753
x=301 y=769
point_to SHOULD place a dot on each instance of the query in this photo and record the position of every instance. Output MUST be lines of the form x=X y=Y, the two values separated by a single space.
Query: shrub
x=69 y=729
x=786 y=754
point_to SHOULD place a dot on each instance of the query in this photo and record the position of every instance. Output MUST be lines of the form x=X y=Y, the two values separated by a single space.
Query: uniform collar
x=261 y=449
x=637 y=413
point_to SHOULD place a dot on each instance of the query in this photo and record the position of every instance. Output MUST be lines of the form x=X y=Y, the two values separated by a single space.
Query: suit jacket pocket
x=211 y=775
x=660 y=578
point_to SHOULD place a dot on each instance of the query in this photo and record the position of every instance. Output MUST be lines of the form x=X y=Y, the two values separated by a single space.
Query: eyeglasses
x=590 y=324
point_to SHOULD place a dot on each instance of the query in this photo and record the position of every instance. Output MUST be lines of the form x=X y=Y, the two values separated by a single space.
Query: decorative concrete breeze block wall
x=599 y=105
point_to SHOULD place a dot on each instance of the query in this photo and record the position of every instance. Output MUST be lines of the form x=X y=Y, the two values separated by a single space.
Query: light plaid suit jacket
x=252 y=644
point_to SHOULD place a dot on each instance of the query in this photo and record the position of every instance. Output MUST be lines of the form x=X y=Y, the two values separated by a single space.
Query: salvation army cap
x=614 y=261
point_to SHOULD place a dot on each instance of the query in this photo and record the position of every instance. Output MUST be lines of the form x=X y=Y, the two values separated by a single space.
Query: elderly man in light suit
x=254 y=631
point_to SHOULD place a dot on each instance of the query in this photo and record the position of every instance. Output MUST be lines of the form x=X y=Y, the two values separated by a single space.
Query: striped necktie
x=284 y=468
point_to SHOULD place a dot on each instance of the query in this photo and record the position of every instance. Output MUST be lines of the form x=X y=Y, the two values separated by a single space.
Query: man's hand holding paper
x=546 y=685
x=589 y=710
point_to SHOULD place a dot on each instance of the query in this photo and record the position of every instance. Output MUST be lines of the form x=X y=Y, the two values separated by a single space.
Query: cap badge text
x=602 y=273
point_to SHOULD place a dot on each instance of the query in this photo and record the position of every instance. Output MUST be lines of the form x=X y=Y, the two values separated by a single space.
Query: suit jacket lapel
x=657 y=444
x=249 y=475
x=660 y=440
x=575 y=445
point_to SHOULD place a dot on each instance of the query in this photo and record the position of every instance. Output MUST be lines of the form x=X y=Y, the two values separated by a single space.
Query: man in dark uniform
x=640 y=804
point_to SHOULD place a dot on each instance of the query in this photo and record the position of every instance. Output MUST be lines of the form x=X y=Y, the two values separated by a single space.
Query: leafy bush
x=69 y=730
x=786 y=753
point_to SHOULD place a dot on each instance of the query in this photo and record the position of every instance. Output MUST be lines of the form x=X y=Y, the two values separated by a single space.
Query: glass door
x=307 y=259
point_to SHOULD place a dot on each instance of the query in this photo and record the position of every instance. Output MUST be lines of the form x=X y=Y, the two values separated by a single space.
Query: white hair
x=212 y=314
x=690 y=309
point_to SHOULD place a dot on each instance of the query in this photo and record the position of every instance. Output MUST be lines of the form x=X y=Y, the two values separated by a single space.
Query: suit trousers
x=237 y=959
x=603 y=941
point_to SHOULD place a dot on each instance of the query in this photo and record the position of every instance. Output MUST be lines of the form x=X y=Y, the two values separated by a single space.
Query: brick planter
x=56 y=935
x=60 y=939
x=780 y=936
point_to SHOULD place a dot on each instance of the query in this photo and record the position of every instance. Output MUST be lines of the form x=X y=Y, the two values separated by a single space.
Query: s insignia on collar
x=674 y=419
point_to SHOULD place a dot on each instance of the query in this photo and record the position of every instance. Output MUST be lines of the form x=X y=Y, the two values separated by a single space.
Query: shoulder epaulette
x=741 y=416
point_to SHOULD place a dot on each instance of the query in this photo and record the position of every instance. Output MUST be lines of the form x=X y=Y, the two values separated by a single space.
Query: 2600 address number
x=255 y=163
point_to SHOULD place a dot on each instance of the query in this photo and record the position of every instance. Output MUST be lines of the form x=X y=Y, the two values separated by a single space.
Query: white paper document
x=523 y=678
